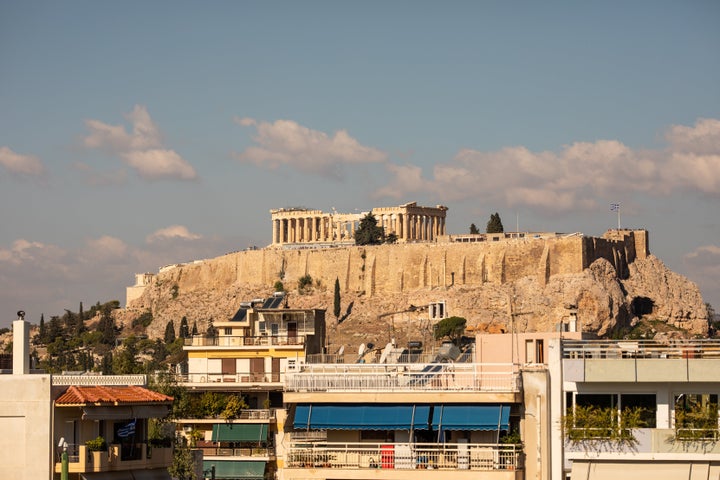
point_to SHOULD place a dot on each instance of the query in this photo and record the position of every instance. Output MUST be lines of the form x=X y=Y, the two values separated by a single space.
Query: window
x=696 y=416
x=261 y=328
x=228 y=330
x=646 y=402
x=274 y=329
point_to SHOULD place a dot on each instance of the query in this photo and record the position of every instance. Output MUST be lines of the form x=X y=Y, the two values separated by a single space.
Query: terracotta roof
x=105 y=395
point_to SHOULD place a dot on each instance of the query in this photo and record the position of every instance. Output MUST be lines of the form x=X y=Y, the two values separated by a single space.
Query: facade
x=43 y=416
x=401 y=413
x=248 y=360
x=409 y=222
x=663 y=398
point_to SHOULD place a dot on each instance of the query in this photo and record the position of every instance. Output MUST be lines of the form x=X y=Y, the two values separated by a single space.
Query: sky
x=138 y=134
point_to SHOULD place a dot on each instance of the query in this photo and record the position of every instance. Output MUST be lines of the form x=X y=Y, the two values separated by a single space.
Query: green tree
x=126 y=361
x=336 y=299
x=368 y=233
x=106 y=367
x=391 y=238
x=80 y=322
x=473 y=229
x=169 y=332
x=495 y=225
x=183 y=467
x=184 y=329
x=194 y=329
x=42 y=335
x=451 y=327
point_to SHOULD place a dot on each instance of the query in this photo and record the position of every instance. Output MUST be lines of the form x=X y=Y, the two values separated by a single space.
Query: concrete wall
x=25 y=423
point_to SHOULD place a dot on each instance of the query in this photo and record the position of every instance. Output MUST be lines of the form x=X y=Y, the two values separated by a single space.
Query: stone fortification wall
x=536 y=281
x=380 y=269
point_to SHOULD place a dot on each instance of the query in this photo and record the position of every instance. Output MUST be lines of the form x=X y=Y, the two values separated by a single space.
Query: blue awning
x=471 y=417
x=362 y=417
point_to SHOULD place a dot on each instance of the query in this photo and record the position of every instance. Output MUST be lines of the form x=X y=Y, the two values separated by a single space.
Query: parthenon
x=409 y=222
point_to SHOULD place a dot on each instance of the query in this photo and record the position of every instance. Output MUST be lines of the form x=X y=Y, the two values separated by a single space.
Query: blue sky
x=137 y=134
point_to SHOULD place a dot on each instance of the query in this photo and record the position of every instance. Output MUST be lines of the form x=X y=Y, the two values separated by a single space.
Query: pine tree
x=368 y=233
x=473 y=229
x=495 y=225
x=336 y=299
x=170 y=332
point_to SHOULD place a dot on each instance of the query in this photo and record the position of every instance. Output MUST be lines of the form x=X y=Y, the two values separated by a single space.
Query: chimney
x=21 y=345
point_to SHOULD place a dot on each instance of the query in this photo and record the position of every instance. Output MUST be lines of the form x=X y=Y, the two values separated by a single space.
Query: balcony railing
x=241 y=377
x=242 y=341
x=403 y=377
x=115 y=457
x=404 y=456
x=640 y=349
x=248 y=414
x=216 y=451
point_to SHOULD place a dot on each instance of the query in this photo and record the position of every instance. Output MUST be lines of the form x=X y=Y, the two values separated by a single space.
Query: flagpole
x=618 y=210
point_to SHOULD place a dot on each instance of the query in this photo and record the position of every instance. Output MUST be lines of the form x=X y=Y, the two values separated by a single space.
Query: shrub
x=97 y=445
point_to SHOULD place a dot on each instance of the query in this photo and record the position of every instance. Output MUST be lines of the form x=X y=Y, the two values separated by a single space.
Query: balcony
x=273 y=379
x=223 y=449
x=236 y=341
x=404 y=456
x=140 y=456
x=641 y=361
x=650 y=443
x=403 y=377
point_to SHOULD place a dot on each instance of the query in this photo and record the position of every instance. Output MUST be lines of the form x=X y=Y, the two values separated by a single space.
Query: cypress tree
x=184 y=331
x=495 y=225
x=194 y=330
x=170 y=332
x=42 y=335
x=336 y=299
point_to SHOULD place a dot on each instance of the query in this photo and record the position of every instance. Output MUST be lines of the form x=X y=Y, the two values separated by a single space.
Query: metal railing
x=243 y=341
x=241 y=377
x=248 y=414
x=404 y=377
x=236 y=452
x=404 y=456
x=705 y=348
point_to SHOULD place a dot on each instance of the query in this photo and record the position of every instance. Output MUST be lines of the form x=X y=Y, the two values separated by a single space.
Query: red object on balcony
x=387 y=456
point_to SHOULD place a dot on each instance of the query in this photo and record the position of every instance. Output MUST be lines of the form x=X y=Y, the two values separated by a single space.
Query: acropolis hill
x=537 y=280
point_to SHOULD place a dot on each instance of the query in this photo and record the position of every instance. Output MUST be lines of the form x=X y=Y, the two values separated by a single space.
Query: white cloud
x=286 y=143
x=578 y=176
x=142 y=149
x=172 y=232
x=703 y=265
x=20 y=164
x=157 y=164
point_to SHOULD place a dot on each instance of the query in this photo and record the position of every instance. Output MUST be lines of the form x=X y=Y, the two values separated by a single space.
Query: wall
x=25 y=423
x=402 y=268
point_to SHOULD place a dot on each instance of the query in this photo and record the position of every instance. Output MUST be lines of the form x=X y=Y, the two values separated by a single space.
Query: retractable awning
x=236 y=470
x=240 y=432
x=362 y=417
x=471 y=417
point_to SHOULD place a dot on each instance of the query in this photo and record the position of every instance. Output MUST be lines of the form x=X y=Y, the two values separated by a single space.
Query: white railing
x=107 y=380
x=245 y=341
x=241 y=377
x=404 y=456
x=403 y=377
x=640 y=349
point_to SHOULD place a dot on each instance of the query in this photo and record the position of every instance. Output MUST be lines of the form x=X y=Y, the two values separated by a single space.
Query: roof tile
x=83 y=395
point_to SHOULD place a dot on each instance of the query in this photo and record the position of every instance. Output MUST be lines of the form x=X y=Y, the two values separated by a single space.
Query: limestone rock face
x=213 y=290
x=659 y=293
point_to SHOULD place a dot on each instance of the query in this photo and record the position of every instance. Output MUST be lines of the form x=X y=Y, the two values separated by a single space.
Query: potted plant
x=97 y=453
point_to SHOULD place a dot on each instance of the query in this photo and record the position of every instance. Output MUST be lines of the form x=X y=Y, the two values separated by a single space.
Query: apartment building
x=246 y=360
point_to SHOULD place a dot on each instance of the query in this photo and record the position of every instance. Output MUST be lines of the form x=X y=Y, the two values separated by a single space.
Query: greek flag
x=127 y=431
x=614 y=207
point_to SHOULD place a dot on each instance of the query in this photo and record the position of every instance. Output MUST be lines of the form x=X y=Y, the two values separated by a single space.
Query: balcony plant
x=591 y=424
x=234 y=406
x=96 y=445
x=697 y=422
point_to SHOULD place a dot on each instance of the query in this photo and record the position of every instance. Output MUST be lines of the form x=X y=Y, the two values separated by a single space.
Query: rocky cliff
x=528 y=286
